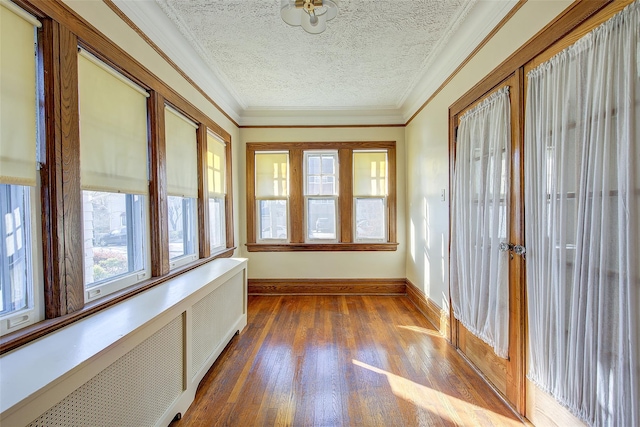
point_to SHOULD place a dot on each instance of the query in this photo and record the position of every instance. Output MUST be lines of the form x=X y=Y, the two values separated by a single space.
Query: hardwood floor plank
x=342 y=361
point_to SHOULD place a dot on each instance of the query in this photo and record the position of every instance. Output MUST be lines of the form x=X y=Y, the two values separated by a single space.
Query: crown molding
x=483 y=17
x=150 y=19
x=338 y=116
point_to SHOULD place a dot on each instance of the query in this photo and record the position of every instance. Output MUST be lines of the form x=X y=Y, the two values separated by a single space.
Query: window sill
x=30 y=333
x=321 y=247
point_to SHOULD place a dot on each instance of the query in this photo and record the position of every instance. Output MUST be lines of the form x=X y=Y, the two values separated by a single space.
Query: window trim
x=297 y=199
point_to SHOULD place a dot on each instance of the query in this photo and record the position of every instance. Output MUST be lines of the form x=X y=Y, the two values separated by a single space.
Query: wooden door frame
x=514 y=389
x=564 y=24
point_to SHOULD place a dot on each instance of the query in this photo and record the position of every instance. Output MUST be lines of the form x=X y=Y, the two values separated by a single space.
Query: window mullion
x=345 y=194
x=391 y=195
x=204 y=242
x=60 y=174
x=159 y=213
x=296 y=195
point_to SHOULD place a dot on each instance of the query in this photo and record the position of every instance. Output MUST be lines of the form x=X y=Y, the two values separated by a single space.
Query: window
x=216 y=184
x=370 y=195
x=20 y=292
x=182 y=186
x=114 y=178
x=321 y=196
x=114 y=256
x=272 y=191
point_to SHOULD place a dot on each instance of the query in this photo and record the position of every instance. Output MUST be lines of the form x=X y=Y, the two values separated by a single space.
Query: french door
x=487 y=272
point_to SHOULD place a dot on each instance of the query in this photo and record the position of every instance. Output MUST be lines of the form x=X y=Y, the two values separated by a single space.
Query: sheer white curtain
x=582 y=195
x=479 y=270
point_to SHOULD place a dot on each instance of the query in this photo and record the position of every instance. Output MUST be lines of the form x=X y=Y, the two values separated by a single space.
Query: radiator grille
x=212 y=318
x=134 y=391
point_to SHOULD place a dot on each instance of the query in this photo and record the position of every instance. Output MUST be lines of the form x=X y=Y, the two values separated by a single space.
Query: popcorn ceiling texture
x=371 y=55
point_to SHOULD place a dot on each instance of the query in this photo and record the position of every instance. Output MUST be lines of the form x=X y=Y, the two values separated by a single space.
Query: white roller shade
x=17 y=96
x=216 y=165
x=182 y=154
x=113 y=130
x=369 y=173
x=272 y=173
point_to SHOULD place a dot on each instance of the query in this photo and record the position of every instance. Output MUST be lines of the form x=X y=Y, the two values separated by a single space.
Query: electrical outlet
x=443 y=194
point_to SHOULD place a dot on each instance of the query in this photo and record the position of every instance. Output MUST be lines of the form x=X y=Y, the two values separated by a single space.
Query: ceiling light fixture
x=312 y=15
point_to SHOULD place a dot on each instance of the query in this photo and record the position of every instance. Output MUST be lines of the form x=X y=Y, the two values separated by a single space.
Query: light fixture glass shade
x=289 y=13
x=314 y=22
x=314 y=26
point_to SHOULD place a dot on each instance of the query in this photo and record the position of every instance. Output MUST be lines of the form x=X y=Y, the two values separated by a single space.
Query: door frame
x=579 y=17
x=490 y=365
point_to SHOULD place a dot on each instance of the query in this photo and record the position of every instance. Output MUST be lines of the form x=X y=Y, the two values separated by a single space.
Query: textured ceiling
x=372 y=54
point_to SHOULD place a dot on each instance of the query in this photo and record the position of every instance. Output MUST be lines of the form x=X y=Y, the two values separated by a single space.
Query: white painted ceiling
x=377 y=61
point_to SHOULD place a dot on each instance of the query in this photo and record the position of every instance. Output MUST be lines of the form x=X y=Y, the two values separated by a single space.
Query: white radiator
x=140 y=371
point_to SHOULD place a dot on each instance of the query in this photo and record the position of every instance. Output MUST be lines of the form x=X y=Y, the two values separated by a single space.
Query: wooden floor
x=342 y=361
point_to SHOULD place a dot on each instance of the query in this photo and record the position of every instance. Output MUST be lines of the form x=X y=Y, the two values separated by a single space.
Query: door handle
x=510 y=247
x=504 y=247
x=519 y=250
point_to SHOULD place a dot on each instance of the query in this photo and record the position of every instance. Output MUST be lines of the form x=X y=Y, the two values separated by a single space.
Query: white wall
x=362 y=265
x=98 y=14
x=428 y=156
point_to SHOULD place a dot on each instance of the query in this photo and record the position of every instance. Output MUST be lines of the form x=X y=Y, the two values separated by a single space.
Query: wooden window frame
x=63 y=31
x=296 y=206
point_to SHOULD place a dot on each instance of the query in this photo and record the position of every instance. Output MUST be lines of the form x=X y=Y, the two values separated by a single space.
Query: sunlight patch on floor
x=423 y=396
x=421 y=330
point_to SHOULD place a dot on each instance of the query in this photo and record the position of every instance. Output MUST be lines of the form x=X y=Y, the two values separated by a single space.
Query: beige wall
x=98 y=14
x=428 y=156
x=361 y=265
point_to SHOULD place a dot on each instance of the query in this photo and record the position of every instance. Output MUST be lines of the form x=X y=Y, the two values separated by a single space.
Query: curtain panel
x=582 y=174
x=479 y=270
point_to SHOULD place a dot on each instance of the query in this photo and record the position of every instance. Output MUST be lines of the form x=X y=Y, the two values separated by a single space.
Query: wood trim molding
x=327 y=286
x=250 y=159
x=399 y=125
x=228 y=200
x=322 y=145
x=577 y=33
x=464 y=63
x=392 y=198
x=564 y=23
x=439 y=317
x=203 y=194
x=345 y=160
x=296 y=198
x=164 y=56
x=60 y=175
x=158 y=187
x=321 y=247
x=516 y=369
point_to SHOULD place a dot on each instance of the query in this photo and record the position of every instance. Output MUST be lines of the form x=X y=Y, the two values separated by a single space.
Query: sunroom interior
x=164 y=161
